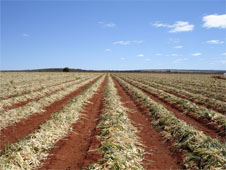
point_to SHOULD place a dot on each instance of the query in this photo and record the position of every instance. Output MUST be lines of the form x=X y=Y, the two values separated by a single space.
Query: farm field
x=112 y=121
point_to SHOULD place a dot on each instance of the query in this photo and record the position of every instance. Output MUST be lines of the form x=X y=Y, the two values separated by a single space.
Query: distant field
x=112 y=121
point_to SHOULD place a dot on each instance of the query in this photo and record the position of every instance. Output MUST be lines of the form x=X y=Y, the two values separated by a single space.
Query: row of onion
x=120 y=146
x=187 y=107
x=201 y=151
x=30 y=151
x=15 y=115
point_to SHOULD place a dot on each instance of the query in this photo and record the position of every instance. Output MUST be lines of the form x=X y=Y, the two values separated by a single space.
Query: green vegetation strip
x=119 y=143
x=202 y=152
x=30 y=151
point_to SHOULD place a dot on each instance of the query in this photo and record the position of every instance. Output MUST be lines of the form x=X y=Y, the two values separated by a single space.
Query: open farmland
x=112 y=121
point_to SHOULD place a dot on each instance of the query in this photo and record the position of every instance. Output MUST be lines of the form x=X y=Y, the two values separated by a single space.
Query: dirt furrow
x=13 y=133
x=207 y=130
x=72 y=151
x=158 y=155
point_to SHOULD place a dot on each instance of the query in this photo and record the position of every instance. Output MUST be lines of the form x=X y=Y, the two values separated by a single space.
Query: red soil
x=158 y=155
x=208 y=130
x=72 y=152
x=12 y=134
x=92 y=154
x=219 y=77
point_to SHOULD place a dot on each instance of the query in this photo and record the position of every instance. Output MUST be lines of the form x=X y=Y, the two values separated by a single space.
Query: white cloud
x=214 y=42
x=179 y=26
x=107 y=50
x=25 y=35
x=197 y=54
x=157 y=24
x=110 y=25
x=128 y=42
x=140 y=55
x=214 y=21
x=175 y=55
x=122 y=58
x=122 y=42
x=179 y=46
x=223 y=54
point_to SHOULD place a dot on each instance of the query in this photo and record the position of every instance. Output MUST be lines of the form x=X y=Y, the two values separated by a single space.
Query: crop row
x=201 y=81
x=24 y=79
x=201 y=151
x=12 y=116
x=30 y=151
x=119 y=144
x=13 y=90
x=197 y=84
x=196 y=98
x=7 y=103
x=187 y=107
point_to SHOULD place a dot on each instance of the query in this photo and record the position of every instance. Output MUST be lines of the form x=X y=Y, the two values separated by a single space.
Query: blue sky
x=113 y=35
